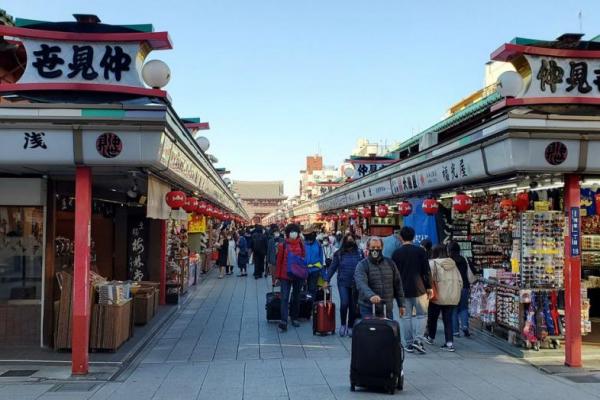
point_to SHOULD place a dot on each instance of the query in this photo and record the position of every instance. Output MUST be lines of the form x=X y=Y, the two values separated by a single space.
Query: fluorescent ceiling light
x=509 y=186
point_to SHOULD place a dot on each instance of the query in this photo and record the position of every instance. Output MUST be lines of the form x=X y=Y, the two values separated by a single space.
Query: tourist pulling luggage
x=273 y=305
x=324 y=316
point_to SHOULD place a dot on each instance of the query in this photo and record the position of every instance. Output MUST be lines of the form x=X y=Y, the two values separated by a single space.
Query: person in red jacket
x=293 y=244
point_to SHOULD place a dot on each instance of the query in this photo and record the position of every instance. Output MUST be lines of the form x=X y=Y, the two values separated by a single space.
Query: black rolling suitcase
x=377 y=354
x=305 y=306
x=273 y=305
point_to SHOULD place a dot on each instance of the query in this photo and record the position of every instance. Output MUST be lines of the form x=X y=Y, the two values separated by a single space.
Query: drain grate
x=583 y=378
x=74 y=387
x=14 y=373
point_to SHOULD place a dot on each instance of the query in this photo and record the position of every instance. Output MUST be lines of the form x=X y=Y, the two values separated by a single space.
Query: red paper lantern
x=506 y=204
x=597 y=200
x=353 y=214
x=175 y=199
x=405 y=208
x=366 y=212
x=201 y=209
x=522 y=202
x=343 y=216
x=210 y=211
x=335 y=217
x=462 y=202
x=430 y=206
x=191 y=203
x=382 y=210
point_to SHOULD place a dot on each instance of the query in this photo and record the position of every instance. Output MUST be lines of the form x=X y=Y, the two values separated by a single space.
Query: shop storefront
x=505 y=178
x=89 y=163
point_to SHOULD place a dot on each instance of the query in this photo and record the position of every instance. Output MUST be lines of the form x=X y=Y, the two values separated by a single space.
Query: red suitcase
x=324 y=316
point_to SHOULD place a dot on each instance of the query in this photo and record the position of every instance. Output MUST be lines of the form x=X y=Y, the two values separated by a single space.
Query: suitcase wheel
x=401 y=382
x=352 y=387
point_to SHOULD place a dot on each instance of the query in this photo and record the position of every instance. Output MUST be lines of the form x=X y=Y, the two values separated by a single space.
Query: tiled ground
x=221 y=347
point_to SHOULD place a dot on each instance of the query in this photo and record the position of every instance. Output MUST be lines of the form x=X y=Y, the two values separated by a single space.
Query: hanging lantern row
x=177 y=199
x=430 y=206
x=405 y=208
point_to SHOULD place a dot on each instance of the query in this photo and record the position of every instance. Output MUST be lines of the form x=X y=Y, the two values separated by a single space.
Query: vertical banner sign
x=136 y=249
x=574 y=231
x=425 y=226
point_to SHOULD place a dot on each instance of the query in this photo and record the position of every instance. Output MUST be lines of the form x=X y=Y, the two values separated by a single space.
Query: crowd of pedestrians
x=425 y=281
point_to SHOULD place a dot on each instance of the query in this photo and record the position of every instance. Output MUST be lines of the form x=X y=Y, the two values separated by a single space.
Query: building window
x=21 y=250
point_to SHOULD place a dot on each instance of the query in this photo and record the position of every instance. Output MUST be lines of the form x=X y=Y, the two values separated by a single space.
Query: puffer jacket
x=344 y=262
x=379 y=278
x=295 y=246
x=448 y=282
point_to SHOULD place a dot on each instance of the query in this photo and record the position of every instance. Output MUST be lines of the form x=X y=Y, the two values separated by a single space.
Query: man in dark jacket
x=259 y=248
x=416 y=280
x=378 y=282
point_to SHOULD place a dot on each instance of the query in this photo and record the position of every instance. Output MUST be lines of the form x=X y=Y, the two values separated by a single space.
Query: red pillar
x=572 y=273
x=163 y=261
x=81 y=297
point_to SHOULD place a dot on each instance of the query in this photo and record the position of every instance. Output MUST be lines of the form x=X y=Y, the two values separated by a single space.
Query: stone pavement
x=219 y=346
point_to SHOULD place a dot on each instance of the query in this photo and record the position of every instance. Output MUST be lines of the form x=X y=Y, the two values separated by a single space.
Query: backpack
x=296 y=265
x=448 y=281
x=259 y=242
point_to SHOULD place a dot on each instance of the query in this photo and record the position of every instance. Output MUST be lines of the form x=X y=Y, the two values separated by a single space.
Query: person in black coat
x=460 y=315
x=259 y=248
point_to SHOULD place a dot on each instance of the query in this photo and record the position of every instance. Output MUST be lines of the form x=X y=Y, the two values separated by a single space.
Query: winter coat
x=295 y=246
x=344 y=262
x=463 y=267
x=243 y=255
x=259 y=242
x=223 y=253
x=314 y=255
x=378 y=278
x=448 y=282
x=414 y=269
x=272 y=250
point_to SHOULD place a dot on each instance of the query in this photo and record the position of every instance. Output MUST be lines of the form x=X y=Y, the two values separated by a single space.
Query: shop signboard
x=36 y=146
x=117 y=147
x=98 y=61
x=452 y=172
x=196 y=223
x=375 y=191
x=137 y=246
x=574 y=232
x=387 y=221
x=364 y=167
x=333 y=203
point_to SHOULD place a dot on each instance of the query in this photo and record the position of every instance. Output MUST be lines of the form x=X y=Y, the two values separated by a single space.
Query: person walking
x=314 y=259
x=448 y=285
x=243 y=256
x=427 y=245
x=344 y=262
x=227 y=253
x=328 y=251
x=259 y=249
x=289 y=285
x=378 y=282
x=460 y=314
x=272 y=248
x=391 y=243
x=414 y=269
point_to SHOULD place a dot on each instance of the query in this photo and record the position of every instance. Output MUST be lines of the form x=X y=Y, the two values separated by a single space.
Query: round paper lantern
x=175 y=199
x=405 y=208
x=522 y=202
x=506 y=204
x=353 y=214
x=343 y=216
x=366 y=212
x=382 y=210
x=335 y=217
x=209 y=211
x=462 y=202
x=191 y=203
x=430 y=206
x=201 y=209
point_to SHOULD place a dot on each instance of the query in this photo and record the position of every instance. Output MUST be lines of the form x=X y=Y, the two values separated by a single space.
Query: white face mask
x=293 y=235
x=320 y=236
x=276 y=234
x=325 y=242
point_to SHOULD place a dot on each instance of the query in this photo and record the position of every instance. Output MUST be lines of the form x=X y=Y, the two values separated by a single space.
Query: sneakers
x=409 y=349
x=466 y=333
x=349 y=332
x=342 y=331
x=448 y=347
x=428 y=340
x=295 y=323
x=418 y=346
x=456 y=334
x=282 y=327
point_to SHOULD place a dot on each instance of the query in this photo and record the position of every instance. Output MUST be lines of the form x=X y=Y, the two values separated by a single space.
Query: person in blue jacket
x=243 y=254
x=344 y=263
x=314 y=260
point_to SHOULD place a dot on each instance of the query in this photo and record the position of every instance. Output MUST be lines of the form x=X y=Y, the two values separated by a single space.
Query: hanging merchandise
x=353 y=214
x=382 y=210
x=405 y=208
x=462 y=202
x=366 y=212
x=430 y=206
x=522 y=202
x=506 y=204
x=175 y=199
x=177 y=260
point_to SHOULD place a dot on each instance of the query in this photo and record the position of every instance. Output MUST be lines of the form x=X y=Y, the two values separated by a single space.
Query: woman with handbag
x=460 y=315
x=447 y=286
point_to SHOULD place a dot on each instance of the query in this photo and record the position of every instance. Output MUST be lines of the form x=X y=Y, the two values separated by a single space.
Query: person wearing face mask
x=289 y=285
x=328 y=251
x=378 y=282
x=344 y=263
x=338 y=240
x=274 y=242
x=314 y=259
x=242 y=254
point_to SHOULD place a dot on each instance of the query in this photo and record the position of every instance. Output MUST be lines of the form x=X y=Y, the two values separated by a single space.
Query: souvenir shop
x=513 y=178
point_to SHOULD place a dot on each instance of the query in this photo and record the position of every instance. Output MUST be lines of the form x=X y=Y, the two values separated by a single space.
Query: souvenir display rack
x=177 y=261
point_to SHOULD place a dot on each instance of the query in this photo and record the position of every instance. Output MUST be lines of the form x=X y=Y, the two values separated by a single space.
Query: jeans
x=311 y=282
x=432 y=318
x=259 y=264
x=287 y=287
x=367 y=311
x=413 y=327
x=347 y=305
x=460 y=314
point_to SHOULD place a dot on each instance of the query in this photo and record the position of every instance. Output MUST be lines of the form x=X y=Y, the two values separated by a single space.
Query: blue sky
x=279 y=80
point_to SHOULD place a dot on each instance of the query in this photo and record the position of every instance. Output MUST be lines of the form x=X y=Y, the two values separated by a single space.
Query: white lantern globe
x=156 y=74
x=203 y=142
x=510 y=84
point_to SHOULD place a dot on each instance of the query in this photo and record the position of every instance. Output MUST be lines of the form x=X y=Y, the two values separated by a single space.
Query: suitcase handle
x=384 y=311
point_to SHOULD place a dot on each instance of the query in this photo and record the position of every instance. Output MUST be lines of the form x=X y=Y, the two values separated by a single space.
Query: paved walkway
x=220 y=346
